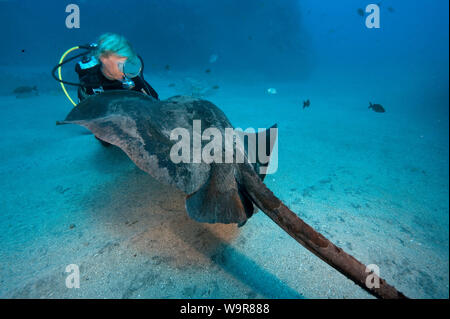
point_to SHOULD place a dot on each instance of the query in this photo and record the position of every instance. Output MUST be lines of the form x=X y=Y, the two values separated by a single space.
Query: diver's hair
x=112 y=43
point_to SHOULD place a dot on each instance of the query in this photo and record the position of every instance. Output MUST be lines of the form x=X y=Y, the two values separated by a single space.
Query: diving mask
x=131 y=67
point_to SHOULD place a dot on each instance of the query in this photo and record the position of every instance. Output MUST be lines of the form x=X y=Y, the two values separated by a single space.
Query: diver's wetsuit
x=93 y=81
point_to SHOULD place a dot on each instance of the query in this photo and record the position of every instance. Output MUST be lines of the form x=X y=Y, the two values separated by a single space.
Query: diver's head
x=117 y=57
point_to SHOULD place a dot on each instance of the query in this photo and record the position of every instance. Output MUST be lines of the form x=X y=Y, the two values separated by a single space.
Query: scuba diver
x=109 y=64
x=113 y=65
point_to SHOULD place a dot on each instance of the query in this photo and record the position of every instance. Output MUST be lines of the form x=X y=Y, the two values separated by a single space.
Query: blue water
x=375 y=184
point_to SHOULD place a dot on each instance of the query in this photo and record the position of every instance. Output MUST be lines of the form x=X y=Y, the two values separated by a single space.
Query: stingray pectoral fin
x=220 y=200
x=313 y=240
x=149 y=153
x=130 y=121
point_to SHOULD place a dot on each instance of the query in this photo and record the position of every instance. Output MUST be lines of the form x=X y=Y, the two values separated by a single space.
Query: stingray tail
x=312 y=240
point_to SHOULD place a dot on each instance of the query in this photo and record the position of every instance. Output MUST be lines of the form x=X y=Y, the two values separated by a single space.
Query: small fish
x=167 y=67
x=208 y=71
x=213 y=58
x=391 y=10
x=25 y=89
x=272 y=91
x=360 y=12
x=377 y=108
x=216 y=87
x=306 y=103
x=171 y=85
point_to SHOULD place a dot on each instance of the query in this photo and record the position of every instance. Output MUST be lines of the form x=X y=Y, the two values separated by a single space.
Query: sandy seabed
x=374 y=184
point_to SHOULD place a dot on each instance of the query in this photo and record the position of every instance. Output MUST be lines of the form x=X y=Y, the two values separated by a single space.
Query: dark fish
x=216 y=87
x=25 y=89
x=390 y=9
x=208 y=71
x=377 y=108
x=361 y=12
x=167 y=67
x=215 y=192
x=171 y=85
x=306 y=103
x=25 y=92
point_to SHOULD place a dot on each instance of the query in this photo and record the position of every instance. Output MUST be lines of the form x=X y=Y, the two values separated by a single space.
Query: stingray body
x=141 y=126
x=215 y=192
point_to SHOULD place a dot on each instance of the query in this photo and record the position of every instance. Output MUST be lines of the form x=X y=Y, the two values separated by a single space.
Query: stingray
x=216 y=192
